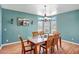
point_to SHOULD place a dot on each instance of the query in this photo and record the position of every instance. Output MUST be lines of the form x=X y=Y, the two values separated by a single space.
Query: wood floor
x=67 y=48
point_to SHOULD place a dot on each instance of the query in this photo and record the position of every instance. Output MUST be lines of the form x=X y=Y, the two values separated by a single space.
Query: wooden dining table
x=37 y=41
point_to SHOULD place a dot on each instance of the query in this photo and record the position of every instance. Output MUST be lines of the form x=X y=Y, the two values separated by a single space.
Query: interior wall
x=68 y=25
x=0 y=26
x=12 y=31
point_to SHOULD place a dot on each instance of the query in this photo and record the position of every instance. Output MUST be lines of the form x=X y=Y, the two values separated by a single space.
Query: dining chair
x=29 y=47
x=56 y=38
x=48 y=45
x=58 y=33
x=34 y=34
x=41 y=33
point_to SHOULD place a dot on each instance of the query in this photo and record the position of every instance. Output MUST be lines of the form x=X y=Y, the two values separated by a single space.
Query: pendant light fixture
x=45 y=15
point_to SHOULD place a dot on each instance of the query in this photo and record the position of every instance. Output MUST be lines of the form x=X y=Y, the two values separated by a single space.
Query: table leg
x=37 y=49
x=60 y=41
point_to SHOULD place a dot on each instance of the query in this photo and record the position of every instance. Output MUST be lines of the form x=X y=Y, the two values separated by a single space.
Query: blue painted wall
x=68 y=25
x=0 y=26
x=11 y=31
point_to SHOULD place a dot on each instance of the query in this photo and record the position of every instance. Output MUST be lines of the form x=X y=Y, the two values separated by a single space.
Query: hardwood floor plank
x=67 y=48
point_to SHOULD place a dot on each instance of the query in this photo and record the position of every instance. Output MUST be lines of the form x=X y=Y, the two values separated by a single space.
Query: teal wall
x=12 y=31
x=0 y=26
x=68 y=25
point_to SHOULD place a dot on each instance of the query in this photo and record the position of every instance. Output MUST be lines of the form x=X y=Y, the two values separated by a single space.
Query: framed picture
x=22 y=22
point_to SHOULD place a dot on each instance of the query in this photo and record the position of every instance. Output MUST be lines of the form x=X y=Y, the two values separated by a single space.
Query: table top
x=38 y=39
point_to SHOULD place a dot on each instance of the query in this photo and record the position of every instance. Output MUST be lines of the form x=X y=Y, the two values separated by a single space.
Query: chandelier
x=45 y=16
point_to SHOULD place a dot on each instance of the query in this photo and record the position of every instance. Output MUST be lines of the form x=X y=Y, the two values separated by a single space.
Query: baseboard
x=70 y=42
x=25 y=40
x=11 y=43
x=0 y=47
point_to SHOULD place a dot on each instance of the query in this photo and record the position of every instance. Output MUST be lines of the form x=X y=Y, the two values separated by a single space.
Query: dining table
x=37 y=41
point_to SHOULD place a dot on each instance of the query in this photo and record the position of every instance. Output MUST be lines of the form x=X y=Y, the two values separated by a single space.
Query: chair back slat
x=41 y=33
x=34 y=34
x=56 y=37
x=49 y=41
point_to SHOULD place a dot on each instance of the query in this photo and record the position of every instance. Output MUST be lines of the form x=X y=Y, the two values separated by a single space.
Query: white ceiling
x=38 y=9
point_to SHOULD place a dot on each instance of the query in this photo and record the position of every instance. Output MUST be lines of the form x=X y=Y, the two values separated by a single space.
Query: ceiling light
x=45 y=16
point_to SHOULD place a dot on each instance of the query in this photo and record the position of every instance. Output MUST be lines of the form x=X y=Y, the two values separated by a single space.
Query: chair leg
x=43 y=50
x=40 y=50
x=60 y=42
x=28 y=42
x=47 y=50
x=22 y=51
x=52 y=49
x=57 y=46
x=31 y=48
x=34 y=50
x=30 y=52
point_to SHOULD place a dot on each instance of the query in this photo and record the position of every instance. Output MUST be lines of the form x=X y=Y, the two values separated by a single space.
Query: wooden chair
x=34 y=34
x=41 y=33
x=48 y=46
x=24 y=47
x=57 y=33
x=57 y=39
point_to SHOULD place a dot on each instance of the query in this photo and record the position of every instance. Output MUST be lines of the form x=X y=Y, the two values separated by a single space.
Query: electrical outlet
x=18 y=35
x=72 y=38
x=5 y=29
x=6 y=40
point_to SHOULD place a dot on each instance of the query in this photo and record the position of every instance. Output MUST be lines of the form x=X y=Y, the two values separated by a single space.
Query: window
x=48 y=26
x=40 y=25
